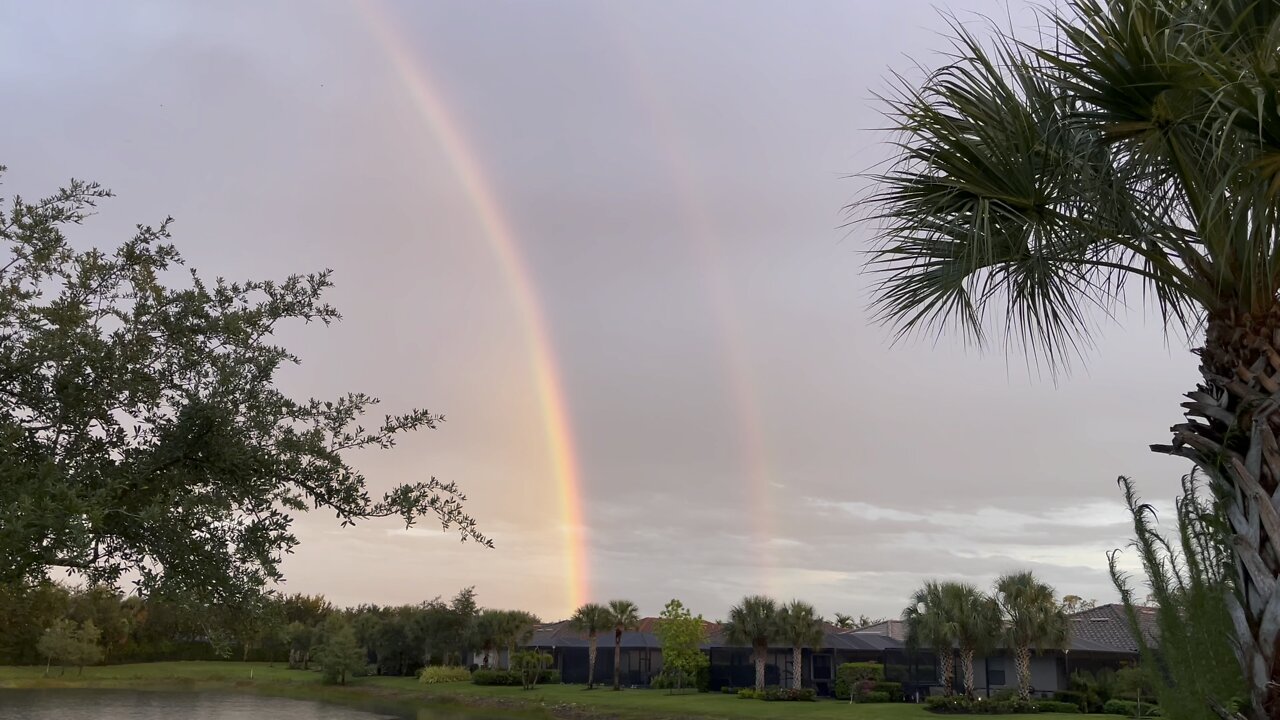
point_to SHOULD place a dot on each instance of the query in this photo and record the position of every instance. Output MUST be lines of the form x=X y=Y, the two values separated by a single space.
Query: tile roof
x=1101 y=629
x=1106 y=628
x=896 y=629
x=561 y=634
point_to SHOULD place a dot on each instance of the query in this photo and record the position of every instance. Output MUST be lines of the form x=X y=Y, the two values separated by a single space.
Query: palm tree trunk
x=797 y=663
x=617 y=659
x=759 y=667
x=1231 y=434
x=966 y=664
x=947 y=672
x=1022 y=662
x=591 y=663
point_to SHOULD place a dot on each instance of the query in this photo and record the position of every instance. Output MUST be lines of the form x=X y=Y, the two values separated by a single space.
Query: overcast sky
x=674 y=176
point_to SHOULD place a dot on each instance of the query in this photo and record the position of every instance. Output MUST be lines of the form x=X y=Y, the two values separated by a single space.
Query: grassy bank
x=558 y=701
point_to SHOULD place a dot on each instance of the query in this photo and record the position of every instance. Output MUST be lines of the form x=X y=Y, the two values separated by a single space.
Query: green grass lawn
x=553 y=700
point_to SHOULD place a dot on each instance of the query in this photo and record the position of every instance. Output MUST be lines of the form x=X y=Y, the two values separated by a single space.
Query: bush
x=1075 y=697
x=495 y=677
x=512 y=677
x=1129 y=708
x=775 y=694
x=1054 y=706
x=960 y=705
x=441 y=674
x=858 y=678
x=1005 y=695
x=729 y=690
x=876 y=696
x=893 y=688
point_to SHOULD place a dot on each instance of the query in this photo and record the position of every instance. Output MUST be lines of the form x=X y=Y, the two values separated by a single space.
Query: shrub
x=1076 y=697
x=512 y=677
x=775 y=694
x=876 y=696
x=959 y=705
x=441 y=674
x=859 y=677
x=1055 y=706
x=1006 y=694
x=893 y=688
x=729 y=690
x=1129 y=708
x=495 y=677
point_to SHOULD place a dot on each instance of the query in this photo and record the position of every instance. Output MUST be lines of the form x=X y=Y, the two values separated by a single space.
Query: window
x=995 y=671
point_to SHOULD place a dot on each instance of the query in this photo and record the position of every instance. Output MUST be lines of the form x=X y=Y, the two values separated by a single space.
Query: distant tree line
x=51 y=624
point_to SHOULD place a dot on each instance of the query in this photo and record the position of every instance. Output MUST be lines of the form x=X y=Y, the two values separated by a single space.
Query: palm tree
x=977 y=625
x=844 y=621
x=1140 y=144
x=591 y=618
x=486 y=630
x=930 y=625
x=800 y=624
x=515 y=627
x=623 y=616
x=754 y=623
x=1032 y=616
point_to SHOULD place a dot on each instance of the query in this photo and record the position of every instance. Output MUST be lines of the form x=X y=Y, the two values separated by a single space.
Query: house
x=1099 y=637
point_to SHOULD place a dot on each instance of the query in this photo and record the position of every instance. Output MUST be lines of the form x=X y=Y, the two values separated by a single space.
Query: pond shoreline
x=355 y=694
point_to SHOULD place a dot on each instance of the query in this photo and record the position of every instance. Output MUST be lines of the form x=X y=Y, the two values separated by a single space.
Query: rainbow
x=755 y=462
x=429 y=104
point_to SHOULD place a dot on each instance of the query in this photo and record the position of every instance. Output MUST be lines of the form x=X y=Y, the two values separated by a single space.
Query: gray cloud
x=673 y=174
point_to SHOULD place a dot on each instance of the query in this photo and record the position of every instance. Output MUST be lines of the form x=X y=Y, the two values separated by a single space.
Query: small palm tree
x=623 y=616
x=930 y=625
x=1032 y=616
x=1138 y=146
x=591 y=618
x=515 y=627
x=977 y=623
x=753 y=623
x=844 y=621
x=800 y=625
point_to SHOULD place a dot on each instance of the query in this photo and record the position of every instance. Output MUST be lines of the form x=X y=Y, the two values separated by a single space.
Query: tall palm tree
x=977 y=624
x=623 y=616
x=1032 y=616
x=486 y=631
x=1141 y=143
x=591 y=618
x=930 y=625
x=753 y=623
x=799 y=624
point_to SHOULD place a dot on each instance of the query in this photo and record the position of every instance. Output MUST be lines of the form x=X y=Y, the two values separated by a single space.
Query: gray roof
x=1106 y=628
x=562 y=634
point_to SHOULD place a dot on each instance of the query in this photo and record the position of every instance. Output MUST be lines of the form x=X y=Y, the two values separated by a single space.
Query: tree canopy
x=142 y=430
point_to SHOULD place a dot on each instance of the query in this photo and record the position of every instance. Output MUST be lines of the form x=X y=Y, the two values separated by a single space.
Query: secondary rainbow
x=755 y=462
x=430 y=105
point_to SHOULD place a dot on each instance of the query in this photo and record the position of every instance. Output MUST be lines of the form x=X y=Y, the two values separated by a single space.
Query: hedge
x=960 y=705
x=512 y=677
x=875 y=696
x=1054 y=706
x=778 y=694
x=443 y=674
x=1129 y=708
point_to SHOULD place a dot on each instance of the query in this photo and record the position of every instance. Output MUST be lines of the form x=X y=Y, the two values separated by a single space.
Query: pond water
x=64 y=704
